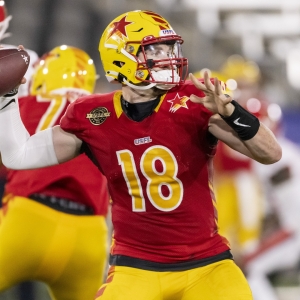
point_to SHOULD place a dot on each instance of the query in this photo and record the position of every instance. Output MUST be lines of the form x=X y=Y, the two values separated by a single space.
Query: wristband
x=243 y=122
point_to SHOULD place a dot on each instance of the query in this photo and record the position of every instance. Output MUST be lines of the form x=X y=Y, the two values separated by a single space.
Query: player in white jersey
x=279 y=250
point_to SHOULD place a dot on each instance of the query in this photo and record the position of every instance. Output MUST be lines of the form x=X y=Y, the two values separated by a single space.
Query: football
x=13 y=66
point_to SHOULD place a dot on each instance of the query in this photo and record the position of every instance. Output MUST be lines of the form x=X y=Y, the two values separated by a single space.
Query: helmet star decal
x=119 y=27
x=178 y=102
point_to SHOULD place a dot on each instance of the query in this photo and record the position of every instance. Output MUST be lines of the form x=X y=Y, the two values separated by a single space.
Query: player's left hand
x=215 y=100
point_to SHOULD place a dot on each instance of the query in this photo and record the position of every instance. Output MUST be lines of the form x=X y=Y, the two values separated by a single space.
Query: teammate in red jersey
x=53 y=226
x=154 y=140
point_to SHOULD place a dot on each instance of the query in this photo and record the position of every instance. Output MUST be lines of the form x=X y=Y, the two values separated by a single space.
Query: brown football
x=13 y=66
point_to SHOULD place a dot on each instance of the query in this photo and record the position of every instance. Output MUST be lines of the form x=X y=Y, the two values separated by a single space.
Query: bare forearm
x=66 y=145
x=264 y=147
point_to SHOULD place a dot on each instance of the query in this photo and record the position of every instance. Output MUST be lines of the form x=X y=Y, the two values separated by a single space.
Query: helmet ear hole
x=119 y=64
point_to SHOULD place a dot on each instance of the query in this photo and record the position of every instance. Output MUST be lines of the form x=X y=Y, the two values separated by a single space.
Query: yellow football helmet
x=128 y=37
x=211 y=73
x=240 y=69
x=63 y=69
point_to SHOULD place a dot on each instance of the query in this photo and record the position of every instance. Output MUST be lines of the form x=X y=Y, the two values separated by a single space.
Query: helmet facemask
x=163 y=62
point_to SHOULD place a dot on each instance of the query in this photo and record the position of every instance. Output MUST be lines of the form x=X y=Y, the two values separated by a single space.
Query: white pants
x=281 y=256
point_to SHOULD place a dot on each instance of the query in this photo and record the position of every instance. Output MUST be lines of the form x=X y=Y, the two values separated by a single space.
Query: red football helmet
x=4 y=20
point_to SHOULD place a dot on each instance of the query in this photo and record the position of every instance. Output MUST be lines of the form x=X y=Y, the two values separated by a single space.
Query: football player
x=154 y=140
x=53 y=224
x=279 y=248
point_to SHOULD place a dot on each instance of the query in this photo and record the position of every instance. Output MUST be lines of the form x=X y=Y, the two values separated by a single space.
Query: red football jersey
x=78 y=180
x=159 y=174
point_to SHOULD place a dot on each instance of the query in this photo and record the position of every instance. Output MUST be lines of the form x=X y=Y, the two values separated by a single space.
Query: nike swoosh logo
x=11 y=101
x=236 y=122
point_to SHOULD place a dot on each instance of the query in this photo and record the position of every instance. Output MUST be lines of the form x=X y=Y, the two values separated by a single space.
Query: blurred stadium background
x=265 y=31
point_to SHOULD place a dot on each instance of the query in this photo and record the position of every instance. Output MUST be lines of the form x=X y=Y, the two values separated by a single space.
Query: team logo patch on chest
x=98 y=115
x=178 y=102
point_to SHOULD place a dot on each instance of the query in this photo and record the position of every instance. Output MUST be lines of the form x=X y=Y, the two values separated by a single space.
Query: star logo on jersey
x=119 y=27
x=98 y=115
x=178 y=102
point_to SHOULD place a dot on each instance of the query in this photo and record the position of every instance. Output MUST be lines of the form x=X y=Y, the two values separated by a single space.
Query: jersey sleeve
x=69 y=121
x=76 y=120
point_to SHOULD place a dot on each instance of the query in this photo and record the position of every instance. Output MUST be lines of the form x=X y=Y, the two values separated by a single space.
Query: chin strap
x=165 y=87
x=139 y=87
x=162 y=76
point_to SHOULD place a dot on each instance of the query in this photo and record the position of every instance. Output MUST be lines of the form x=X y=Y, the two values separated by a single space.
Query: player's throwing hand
x=215 y=100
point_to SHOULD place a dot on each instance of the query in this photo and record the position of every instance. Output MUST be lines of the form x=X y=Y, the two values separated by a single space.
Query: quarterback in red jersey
x=154 y=141
x=55 y=216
